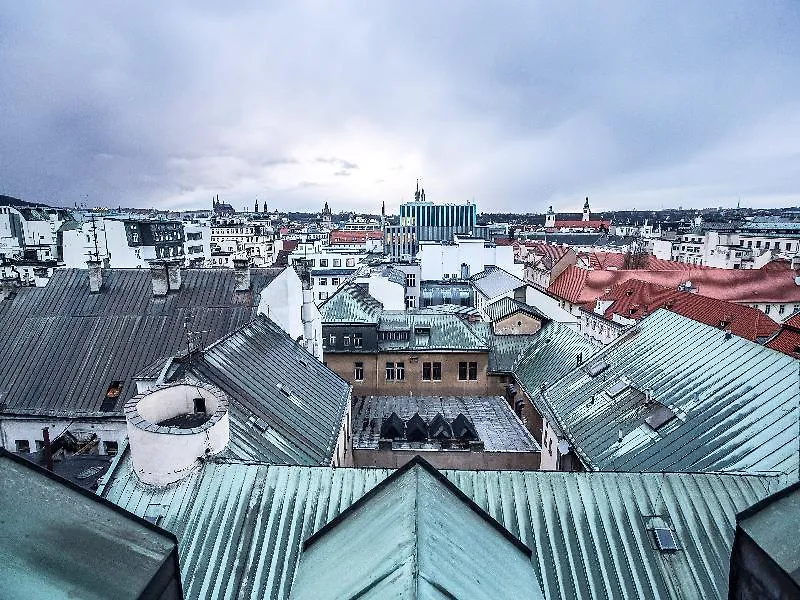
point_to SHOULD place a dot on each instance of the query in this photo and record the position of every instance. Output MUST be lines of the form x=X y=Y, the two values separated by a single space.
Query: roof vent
x=666 y=540
x=416 y=429
x=596 y=367
x=463 y=429
x=439 y=429
x=393 y=428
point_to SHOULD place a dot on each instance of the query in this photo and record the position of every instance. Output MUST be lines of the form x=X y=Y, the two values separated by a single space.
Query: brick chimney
x=158 y=275
x=174 y=275
x=95 y=276
x=241 y=269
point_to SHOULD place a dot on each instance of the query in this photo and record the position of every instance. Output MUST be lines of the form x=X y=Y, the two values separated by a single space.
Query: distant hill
x=11 y=201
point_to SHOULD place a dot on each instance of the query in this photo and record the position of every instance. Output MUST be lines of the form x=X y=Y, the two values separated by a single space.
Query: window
x=395 y=371
x=358 y=340
x=432 y=371
x=766 y=308
x=473 y=371
x=411 y=280
x=334 y=281
x=39 y=445
x=462 y=371
x=409 y=302
x=347 y=340
x=323 y=295
x=337 y=262
x=323 y=262
x=322 y=281
x=22 y=445
x=332 y=340
x=110 y=448
x=358 y=371
x=781 y=309
x=351 y=262
x=766 y=245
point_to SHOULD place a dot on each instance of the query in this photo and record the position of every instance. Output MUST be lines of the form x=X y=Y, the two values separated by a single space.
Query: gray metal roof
x=496 y=424
x=418 y=536
x=735 y=402
x=61 y=347
x=445 y=331
x=241 y=525
x=285 y=407
x=351 y=304
x=502 y=308
x=59 y=541
x=495 y=281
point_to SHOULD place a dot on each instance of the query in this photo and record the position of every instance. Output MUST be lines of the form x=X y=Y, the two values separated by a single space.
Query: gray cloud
x=518 y=105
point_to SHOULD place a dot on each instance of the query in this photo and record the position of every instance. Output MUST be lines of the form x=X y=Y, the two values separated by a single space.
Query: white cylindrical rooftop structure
x=172 y=426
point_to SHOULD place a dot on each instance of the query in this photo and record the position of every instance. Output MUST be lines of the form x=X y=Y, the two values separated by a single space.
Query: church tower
x=550 y=218
x=586 y=213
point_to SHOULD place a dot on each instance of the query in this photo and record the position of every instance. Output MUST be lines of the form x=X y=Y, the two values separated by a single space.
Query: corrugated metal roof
x=285 y=407
x=506 y=349
x=351 y=304
x=415 y=536
x=241 y=525
x=496 y=424
x=551 y=355
x=736 y=402
x=440 y=332
x=500 y=309
x=61 y=347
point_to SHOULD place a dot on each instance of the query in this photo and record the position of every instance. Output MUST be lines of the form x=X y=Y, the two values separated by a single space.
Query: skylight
x=596 y=367
x=619 y=387
x=666 y=541
x=659 y=417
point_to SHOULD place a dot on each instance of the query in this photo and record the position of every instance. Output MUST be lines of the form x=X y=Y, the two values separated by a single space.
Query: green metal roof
x=772 y=525
x=351 y=304
x=415 y=535
x=432 y=331
x=506 y=349
x=552 y=354
x=241 y=525
x=735 y=402
x=60 y=541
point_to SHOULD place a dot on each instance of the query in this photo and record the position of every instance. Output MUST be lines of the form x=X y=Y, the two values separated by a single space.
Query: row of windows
x=323 y=262
x=354 y=339
x=431 y=371
x=324 y=281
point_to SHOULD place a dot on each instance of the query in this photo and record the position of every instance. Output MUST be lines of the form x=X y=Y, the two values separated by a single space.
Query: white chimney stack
x=172 y=427
x=241 y=268
x=158 y=275
x=95 y=276
x=174 y=275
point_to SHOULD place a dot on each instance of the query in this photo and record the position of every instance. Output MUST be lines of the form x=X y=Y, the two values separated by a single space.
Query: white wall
x=548 y=306
x=390 y=294
x=436 y=258
x=18 y=428
x=282 y=300
x=112 y=245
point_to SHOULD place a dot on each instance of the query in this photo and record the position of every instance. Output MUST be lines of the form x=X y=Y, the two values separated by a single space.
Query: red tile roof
x=580 y=286
x=583 y=224
x=635 y=299
x=354 y=237
x=616 y=260
x=788 y=338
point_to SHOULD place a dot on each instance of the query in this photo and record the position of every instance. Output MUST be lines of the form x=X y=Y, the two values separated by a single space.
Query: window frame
x=358 y=371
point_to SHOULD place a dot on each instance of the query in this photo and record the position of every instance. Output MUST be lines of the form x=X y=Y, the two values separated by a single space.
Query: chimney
x=174 y=275
x=158 y=274
x=95 y=276
x=241 y=268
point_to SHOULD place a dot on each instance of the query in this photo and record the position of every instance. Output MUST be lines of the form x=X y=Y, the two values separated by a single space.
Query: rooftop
x=62 y=347
x=87 y=548
x=242 y=525
x=494 y=281
x=678 y=395
x=351 y=304
x=504 y=307
x=285 y=406
x=580 y=286
x=497 y=426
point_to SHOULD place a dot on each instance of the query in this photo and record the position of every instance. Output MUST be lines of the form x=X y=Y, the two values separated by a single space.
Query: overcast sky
x=518 y=105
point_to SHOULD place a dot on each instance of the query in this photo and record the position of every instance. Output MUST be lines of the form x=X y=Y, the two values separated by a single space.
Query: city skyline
x=635 y=106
